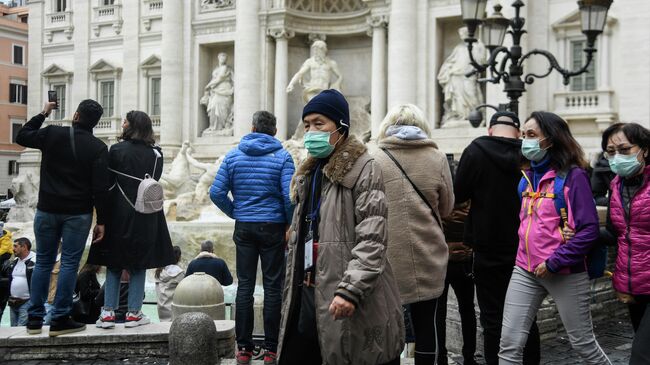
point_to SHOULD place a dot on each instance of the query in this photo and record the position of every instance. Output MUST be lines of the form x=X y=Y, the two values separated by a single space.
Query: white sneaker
x=135 y=319
x=106 y=319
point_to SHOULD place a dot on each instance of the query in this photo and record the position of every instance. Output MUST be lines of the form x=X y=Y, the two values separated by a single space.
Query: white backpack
x=150 y=193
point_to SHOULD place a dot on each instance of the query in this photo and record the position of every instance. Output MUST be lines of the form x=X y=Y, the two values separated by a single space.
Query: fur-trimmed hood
x=339 y=165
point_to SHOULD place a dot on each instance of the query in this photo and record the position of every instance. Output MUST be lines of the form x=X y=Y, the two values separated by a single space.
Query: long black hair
x=565 y=151
x=635 y=133
x=139 y=129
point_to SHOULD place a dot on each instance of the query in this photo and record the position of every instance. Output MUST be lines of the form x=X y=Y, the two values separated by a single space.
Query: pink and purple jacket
x=632 y=269
x=540 y=235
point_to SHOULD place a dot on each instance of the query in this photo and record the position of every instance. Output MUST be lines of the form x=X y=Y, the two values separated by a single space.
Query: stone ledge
x=98 y=343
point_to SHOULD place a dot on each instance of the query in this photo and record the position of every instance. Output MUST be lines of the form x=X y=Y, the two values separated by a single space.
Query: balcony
x=58 y=22
x=595 y=104
x=105 y=16
x=60 y=123
x=152 y=11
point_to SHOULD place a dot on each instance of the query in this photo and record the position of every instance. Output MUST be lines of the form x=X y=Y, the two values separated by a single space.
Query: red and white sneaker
x=270 y=358
x=135 y=319
x=106 y=319
x=244 y=357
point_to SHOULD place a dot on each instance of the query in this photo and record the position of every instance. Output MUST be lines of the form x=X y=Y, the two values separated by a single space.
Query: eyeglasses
x=624 y=150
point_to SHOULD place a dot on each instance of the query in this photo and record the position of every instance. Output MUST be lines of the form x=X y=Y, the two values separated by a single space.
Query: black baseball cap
x=505 y=117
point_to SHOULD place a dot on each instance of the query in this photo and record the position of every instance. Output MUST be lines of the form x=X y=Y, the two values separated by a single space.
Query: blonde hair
x=404 y=114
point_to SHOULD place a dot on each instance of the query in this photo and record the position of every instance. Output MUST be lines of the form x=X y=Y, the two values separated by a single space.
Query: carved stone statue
x=462 y=94
x=215 y=4
x=218 y=98
x=320 y=69
x=205 y=180
x=176 y=182
x=25 y=190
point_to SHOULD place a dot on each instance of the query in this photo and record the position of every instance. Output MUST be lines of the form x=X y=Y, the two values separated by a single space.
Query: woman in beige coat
x=341 y=304
x=419 y=193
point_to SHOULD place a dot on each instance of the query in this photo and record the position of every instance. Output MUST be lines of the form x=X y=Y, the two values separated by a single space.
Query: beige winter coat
x=169 y=278
x=351 y=261
x=417 y=249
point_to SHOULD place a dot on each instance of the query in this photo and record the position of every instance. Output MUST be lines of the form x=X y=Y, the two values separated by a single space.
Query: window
x=23 y=19
x=15 y=128
x=106 y=2
x=17 y=93
x=585 y=81
x=59 y=114
x=60 y=5
x=13 y=167
x=155 y=96
x=107 y=97
x=19 y=52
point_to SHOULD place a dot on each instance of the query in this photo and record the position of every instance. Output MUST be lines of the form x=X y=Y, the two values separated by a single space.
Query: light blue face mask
x=318 y=144
x=625 y=165
x=531 y=150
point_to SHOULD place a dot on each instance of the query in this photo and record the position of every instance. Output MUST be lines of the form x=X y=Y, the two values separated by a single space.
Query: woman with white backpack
x=136 y=237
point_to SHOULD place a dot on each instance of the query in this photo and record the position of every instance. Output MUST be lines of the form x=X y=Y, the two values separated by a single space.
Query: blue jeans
x=50 y=229
x=18 y=315
x=48 y=313
x=112 y=289
x=266 y=241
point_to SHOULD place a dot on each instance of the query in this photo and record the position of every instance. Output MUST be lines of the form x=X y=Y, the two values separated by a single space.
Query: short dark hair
x=24 y=241
x=90 y=112
x=565 y=151
x=264 y=122
x=139 y=129
x=177 y=254
x=207 y=246
x=635 y=133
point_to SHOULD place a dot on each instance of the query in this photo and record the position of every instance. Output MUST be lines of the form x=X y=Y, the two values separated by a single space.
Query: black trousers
x=640 y=317
x=266 y=242
x=423 y=315
x=460 y=279
x=491 y=282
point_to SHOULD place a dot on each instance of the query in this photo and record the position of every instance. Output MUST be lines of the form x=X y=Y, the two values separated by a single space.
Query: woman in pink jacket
x=626 y=147
x=555 y=193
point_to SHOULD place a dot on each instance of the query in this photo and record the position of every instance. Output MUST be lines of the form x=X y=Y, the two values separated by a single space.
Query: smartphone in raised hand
x=53 y=98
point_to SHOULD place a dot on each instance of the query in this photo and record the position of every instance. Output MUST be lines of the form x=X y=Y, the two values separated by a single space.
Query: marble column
x=247 y=65
x=402 y=54
x=281 y=36
x=130 y=82
x=171 y=93
x=378 y=25
x=80 y=88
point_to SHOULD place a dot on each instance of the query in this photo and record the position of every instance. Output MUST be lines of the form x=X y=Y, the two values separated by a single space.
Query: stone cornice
x=280 y=32
x=327 y=24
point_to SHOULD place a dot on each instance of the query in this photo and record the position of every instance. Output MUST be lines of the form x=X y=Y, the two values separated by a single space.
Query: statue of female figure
x=462 y=94
x=218 y=97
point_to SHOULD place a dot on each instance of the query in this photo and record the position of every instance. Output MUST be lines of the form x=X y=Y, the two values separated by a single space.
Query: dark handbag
x=80 y=308
x=433 y=212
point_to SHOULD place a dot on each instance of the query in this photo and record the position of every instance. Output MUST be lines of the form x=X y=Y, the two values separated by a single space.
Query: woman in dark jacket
x=133 y=241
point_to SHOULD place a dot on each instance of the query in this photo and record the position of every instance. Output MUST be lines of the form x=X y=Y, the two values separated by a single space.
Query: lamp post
x=509 y=67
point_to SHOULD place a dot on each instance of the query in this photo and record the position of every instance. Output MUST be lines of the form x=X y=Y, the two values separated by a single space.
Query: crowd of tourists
x=358 y=247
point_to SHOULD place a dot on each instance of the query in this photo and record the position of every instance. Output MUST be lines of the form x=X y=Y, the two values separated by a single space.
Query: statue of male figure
x=320 y=69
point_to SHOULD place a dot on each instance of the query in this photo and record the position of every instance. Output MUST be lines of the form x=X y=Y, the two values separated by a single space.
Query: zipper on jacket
x=626 y=215
x=529 y=212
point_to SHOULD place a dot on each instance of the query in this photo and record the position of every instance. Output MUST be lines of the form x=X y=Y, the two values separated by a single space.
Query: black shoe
x=65 y=325
x=34 y=325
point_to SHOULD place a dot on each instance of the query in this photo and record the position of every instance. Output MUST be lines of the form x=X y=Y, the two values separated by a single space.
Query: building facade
x=13 y=88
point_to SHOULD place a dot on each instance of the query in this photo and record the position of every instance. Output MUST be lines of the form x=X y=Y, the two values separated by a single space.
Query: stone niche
x=447 y=40
x=208 y=61
x=353 y=55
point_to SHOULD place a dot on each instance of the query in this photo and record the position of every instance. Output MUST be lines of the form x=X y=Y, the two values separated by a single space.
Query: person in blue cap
x=341 y=304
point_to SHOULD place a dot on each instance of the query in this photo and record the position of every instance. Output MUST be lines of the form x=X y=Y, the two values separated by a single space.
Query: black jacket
x=6 y=273
x=488 y=174
x=212 y=266
x=68 y=185
x=132 y=240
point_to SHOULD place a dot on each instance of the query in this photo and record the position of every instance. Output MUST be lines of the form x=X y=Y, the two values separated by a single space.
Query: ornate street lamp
x=509 y=67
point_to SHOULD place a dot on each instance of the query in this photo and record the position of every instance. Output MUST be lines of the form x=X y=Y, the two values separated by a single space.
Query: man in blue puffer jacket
x=258 y=174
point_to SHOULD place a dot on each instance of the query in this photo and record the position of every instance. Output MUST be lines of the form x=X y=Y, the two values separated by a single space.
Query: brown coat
x=351 y=261
x=417 y=249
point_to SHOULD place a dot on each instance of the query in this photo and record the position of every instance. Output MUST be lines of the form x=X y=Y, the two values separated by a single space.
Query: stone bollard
x=199 y=292
x=193 y=340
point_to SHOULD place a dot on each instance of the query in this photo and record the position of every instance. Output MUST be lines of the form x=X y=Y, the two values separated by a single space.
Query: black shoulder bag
x=433 y=212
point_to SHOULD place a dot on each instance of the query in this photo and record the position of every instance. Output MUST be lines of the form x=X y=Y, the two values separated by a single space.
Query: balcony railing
x=154 y=6
x=58 y=22
x=584 y=102
x=155 y=121
x=108 y=12
x=60 y=123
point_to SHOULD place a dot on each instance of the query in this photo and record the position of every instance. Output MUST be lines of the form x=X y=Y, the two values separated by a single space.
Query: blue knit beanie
x=331 y=104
